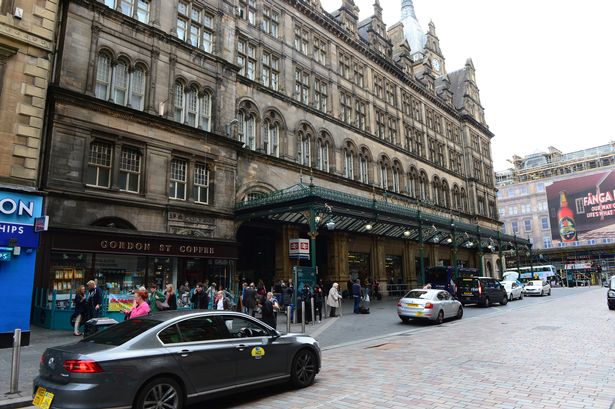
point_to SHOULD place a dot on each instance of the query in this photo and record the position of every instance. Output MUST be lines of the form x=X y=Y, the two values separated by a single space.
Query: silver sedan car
x=172 y=358
x=435 y=305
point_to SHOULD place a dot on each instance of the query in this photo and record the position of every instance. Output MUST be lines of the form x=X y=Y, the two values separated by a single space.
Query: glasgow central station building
x=192 y=140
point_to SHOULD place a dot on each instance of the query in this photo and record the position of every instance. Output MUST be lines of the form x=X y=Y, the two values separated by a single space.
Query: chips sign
x=299 y=248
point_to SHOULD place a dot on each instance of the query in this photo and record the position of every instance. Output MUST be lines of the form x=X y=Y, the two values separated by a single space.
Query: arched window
x=120 y=83
x=456 y=198
x=304 y=151
x=103 y=76
x=384 y=176
x=348 y=164
x=271 y=140
x=137 y=88
x=192 y=105
x=323 y=155
x=205 y=112
x=412 y=183
x=395 y=173
x=436 y=190
x=178 y=102
x=423 y=187
x=247 y=129
x=464 y=200
x=363 y=169
x=445 y=199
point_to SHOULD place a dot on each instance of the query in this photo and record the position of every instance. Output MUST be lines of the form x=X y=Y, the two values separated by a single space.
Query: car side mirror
x=275 y=334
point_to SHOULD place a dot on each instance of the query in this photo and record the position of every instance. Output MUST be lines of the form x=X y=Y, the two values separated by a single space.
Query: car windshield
x=124 y=331
x=535 y=283
x=613 y=283
x=418 y=294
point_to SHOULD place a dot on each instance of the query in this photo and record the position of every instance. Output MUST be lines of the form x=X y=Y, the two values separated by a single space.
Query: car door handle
x=241 y=347
x=184 y=352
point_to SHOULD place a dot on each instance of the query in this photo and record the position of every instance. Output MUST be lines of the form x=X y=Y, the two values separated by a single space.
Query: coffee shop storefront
x=122 y=262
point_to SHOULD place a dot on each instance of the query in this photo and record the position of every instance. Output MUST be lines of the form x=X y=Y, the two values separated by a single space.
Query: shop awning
x=352 y=213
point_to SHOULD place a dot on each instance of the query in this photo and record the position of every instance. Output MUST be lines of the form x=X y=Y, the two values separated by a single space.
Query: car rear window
x=124 y=331
x=467 y=284
x=418 y=294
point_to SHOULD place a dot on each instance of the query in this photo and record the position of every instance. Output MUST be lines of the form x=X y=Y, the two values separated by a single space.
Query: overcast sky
x=544 y=67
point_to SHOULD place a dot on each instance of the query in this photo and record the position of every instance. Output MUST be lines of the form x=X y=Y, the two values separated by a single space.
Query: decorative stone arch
x=248 y=120
x=274 y=127
x=305 y=143
x=324 y=138
x=446 y=194
x=113 y=222
x=253 y=187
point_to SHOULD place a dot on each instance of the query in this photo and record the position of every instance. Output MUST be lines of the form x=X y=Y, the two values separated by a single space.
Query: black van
x=483 y=291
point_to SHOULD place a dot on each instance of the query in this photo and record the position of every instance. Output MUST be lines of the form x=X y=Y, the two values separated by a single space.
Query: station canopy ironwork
x=334 y=210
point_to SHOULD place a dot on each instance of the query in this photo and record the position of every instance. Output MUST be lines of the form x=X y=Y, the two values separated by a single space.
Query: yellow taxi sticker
x=42 y=398
x=257 y=352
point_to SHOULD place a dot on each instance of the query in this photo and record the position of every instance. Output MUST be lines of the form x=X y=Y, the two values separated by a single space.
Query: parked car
x=514 y=289
x=610 y=295
x=434 y=305
x=537 y=287
x=483 y=291
x=172 y=358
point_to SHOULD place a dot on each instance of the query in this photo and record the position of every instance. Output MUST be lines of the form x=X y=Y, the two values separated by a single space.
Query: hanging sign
x=299 y=248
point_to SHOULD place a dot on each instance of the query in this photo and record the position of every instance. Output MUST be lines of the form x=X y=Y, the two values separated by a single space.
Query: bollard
x=288 y=312
x=15 y=361
x=313 y=316
x=303 y=317
x=340 y=304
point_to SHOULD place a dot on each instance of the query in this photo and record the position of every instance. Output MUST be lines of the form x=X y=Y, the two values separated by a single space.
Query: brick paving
x=555 y=354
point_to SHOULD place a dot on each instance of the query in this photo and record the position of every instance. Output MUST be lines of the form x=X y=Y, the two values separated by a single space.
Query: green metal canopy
x=353 y=213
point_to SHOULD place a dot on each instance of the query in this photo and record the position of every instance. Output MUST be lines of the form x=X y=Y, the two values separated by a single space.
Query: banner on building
x=582 y=207
x=299 y=248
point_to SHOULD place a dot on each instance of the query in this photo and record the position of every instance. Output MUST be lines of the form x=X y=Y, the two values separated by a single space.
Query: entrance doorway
x=256 y=254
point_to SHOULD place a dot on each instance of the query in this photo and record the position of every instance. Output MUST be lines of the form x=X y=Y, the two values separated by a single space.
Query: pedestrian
x=95 y=299
x=261 y=291
x=356 y=295
x=318 y=297
x=250 y=301
x=242 y=297
x=81 y=309
x=349 y=284
x=211 y=295
x=141 y=307
x=222 y=302
x=170 y=299
x=268 y=310
x=156 y=299
x=427 y=286
x=306 y=296
x=200 y=298
x=334 y=299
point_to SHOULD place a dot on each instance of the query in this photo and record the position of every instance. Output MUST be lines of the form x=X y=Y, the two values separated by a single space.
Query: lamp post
x=454 y=255
x=517 y=253
x=500 y=254
x=480 y=252
x=421 y=249
x=315 y=215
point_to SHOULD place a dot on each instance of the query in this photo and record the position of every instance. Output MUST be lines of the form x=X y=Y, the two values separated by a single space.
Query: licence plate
x=467 y=293
x=42 y=398
x=419 y=314
x=412 y=305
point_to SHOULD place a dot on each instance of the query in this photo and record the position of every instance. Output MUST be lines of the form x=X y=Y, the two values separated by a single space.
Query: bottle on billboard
x=565 y=218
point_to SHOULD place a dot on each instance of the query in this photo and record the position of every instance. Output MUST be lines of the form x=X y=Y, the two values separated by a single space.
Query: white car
x=514 y=290
x=434 y=305
x=537 y=287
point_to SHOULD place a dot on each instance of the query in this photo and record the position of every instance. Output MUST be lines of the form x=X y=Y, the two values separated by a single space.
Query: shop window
x=118 y=273
x=68 y=271
x=393 y=266
x=98 y=172
x=359 y=266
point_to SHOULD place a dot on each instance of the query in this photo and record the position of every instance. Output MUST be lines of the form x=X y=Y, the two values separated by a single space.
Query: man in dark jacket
x=199 y=299
x=250 y=300
x=94 y=300
x=356 y=294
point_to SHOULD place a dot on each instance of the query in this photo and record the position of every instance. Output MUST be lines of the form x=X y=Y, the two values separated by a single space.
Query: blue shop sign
x=18 y=212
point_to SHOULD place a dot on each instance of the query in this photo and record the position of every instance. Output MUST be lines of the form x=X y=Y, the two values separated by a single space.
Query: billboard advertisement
x=583 y=207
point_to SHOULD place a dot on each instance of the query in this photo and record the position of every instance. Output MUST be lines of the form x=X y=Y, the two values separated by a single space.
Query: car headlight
x=612 y=293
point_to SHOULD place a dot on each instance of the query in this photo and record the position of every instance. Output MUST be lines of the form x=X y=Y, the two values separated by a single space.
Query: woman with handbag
x=156 y=298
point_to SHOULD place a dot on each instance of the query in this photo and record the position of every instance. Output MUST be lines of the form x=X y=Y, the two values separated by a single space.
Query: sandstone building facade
x=175 y=126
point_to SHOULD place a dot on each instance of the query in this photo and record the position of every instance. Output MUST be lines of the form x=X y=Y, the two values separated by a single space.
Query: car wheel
x=542 y=293
x=160 y=393
x=487 y=302
x=440 y=318
x=405 y=320
x=460 y=312
x=510 y=297
x=504 y=300
x=611 y=307
x=549 y=292
x=303 y=371
x=521 y=296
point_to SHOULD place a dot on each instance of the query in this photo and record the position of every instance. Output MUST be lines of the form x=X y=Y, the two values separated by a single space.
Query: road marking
x=323 y=327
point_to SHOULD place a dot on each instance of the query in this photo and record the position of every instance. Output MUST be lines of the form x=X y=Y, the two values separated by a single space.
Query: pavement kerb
x=19 y=401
